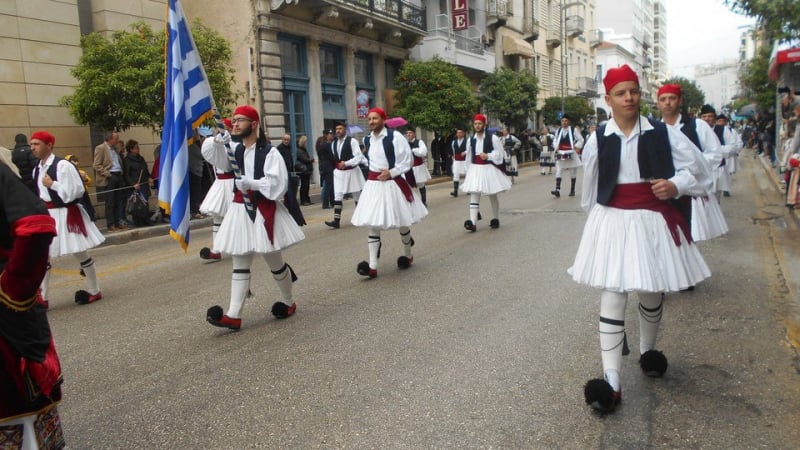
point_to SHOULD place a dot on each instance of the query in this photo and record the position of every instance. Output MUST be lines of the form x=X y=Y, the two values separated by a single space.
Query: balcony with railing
x=587 y=86
x=595 y=38
x=573 y=25
x=465 y=48
x=399 y=10
x=500 y=8
x=531 y=30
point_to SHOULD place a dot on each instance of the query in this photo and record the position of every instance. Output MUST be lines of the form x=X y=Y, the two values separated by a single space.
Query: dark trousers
x=327 y=189
x=196 y=193
x=305 y=183
x=114 y=198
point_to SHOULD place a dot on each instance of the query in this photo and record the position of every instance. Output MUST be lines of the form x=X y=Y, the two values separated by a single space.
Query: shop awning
x=513 y=45
x=783 y=53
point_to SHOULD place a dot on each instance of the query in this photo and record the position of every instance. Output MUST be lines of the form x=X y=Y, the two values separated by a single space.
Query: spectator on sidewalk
x=24 y=159
x=109 y=180
x=304 y=165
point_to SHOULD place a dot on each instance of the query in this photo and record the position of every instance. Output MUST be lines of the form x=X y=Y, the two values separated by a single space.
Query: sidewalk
x=788 y=254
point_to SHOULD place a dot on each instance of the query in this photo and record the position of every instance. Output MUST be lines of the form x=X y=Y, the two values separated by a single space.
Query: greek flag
x=187 y=104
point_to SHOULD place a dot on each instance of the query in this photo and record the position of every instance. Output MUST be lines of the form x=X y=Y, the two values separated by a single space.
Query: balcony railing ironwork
x=468 y=40
x=399 y=10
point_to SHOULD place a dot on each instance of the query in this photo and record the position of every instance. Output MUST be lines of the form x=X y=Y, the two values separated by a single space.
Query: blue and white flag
x=187 y=104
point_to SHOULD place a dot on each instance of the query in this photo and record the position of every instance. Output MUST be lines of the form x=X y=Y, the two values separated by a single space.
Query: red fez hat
x=247 y=111
x=45 y=137
x=227 y=123
x=618 y=75
x=480 y=117
x=378 y=111
x=669 y=89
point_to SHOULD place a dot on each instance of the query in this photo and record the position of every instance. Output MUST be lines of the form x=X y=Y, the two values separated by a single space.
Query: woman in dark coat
x=304 y=166
x=136 y=172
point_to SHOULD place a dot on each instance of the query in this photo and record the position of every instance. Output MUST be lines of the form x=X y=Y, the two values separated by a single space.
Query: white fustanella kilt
x=421 y=173
x=218 y=198
x=383 y=205
x=238 y=235
x=708 y=222
x=485 y=179
x=67 y=243
x=459 y=168
x=347 y=181
x=626 y=250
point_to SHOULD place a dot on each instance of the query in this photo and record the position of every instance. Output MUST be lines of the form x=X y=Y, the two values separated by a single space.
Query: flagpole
x=237 y=171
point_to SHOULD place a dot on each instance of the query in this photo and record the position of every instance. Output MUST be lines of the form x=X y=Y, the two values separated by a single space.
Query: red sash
x=401 y=183
x=74 y=218
x=564 y=146
x=265 y=206
x=418 y=161
x=640 y=196
x=226 y=176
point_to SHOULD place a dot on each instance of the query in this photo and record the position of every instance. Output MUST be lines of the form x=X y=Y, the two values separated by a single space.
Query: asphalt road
x=484 y=343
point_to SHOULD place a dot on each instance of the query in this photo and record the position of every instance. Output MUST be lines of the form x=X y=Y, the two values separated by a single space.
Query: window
x=292 y=55
x=392 y=69
x=363 y=69
x=330 y=63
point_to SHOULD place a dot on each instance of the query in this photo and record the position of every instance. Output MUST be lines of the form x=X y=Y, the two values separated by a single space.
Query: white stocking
x=651 y=308
x=374 y=245
x=612 y=334
x=495 y=202
x=282 y=274
x=474 y=207
x=405 y=238
x=240 y=284
x=87 y=264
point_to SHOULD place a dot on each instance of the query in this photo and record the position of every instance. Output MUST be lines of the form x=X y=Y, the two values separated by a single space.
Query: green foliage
x=779 y=18
x=693 y=96
x=121 y=80
x=434 y=95
x=510 y=96
x=755 y=82
x=578 y=108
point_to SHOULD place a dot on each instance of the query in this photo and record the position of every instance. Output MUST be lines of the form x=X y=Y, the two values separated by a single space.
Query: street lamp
x=564 y=65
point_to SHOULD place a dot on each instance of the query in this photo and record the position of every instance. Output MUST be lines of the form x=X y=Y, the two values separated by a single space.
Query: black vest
x=689 y=129
x=719 y=130
x=258 y=165
x=459 y=148
x=52 y=171
x=487 y=145
x=654 y=156
x=655 y=161
x=388 y=146
x=345 y=149
x=414 y=143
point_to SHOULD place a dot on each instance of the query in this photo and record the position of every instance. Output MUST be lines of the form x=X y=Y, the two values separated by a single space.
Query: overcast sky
x=701 y=32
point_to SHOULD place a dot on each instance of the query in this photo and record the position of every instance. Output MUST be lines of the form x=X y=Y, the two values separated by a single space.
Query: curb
x=786 y=253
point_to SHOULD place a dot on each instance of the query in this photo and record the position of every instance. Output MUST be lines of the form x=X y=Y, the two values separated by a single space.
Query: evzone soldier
x=458 y=148
x=731 y=145
x=568 y=144
x=387 y=200
x=730 y=136
x=267 y=229
x=485 y=159
x=420 y=169
x=30 y=374
x=347 y=176
x=707 y=221
x=511 y=144
x=722 y=179
x=216 y=202
x=636 y=238
x=59 y=185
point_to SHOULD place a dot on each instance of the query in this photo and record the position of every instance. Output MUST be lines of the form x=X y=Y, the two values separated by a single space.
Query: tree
x=510 y=96
x=578 y=108
x=756 y=85
x=693 y=96
x=121 y=80
x=434 y=95
x=779 y=18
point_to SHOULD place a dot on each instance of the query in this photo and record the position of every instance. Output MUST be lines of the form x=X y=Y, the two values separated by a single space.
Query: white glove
x=244 y=184
x=223 y=137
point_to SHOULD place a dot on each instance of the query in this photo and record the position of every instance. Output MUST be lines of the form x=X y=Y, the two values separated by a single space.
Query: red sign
x=460 y=14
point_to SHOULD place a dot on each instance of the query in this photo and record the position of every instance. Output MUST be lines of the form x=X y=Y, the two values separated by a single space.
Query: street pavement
x=484 y=343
